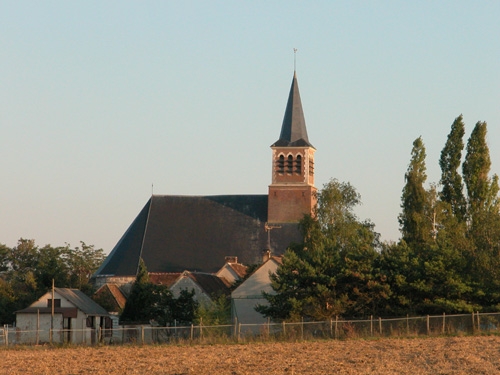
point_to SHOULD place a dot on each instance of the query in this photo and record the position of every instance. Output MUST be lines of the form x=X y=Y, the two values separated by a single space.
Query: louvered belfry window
x=298 y=164
x=289 y=164
x=280 y=164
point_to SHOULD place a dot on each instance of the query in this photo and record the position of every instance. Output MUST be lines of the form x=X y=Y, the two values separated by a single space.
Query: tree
x=82 y=262
x=217 y=313
x=150 y=302
x=51 y=265
x=27 y=271
x=483 y=217
x=24 y=256
x=4 y=258
x=415 y=222
x=482 y=191
x=451 y=180
x=333 y=272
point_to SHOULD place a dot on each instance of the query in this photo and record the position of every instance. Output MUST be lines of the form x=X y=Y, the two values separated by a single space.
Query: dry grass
x=453 y=355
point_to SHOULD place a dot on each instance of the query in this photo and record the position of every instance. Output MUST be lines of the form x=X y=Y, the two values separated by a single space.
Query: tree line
x=27 y=271
x=447 y=260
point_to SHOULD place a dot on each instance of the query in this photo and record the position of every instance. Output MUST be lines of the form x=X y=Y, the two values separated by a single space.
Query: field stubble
x=443 y=355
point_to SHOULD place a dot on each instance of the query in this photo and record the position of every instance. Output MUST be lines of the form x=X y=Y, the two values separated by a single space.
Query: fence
x=285 y=331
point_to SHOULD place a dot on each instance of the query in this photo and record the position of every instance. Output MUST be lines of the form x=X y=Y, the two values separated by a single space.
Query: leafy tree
x=82 y=262
x=24 y=256
x=51 y=265
x=334 y=271
x=7 y=302
x=217 y=313
x=4 y=258
x=451 y=180
x=27 y=271
x=416 y=226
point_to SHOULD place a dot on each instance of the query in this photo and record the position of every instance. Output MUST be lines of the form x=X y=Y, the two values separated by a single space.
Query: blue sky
x=101 y=99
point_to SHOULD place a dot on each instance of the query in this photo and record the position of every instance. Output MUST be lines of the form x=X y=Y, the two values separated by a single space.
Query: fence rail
x=285 y=331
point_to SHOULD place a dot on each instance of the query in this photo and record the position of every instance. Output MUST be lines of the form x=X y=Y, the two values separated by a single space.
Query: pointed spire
x=293 y=129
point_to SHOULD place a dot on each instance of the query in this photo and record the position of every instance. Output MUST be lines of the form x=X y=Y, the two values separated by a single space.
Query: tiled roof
x=239 y=269
x=115 y=293
x=211 y=284
x=164 y=278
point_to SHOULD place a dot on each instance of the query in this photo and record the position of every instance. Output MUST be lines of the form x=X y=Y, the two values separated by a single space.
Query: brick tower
x=292 y=193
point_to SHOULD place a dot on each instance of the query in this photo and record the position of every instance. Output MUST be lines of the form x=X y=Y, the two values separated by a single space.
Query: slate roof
x=177 y=233
x=293 y=130
x=82 y=301
x=211 y=284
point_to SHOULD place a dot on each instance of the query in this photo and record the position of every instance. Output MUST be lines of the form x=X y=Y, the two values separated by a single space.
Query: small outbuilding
x=62 y=316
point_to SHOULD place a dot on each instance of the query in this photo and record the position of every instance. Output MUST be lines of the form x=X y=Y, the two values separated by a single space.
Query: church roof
x=293 y=129
x=176 y=233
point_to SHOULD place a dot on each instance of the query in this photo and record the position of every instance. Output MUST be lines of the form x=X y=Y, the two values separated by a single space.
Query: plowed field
x=454 y=355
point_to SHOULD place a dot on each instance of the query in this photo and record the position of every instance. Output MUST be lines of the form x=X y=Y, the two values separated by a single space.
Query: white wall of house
x=186 y=283
x=228 y=273
x=248 y=295
x=27 y=324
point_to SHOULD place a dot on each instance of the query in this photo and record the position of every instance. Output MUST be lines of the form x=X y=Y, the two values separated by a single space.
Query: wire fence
x=337 y=328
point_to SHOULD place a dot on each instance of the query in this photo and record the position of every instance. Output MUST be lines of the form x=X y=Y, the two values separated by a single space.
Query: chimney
x=266 y=255
x=231 y=259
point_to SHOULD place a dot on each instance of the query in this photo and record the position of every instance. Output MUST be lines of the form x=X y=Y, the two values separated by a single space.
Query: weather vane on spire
x=294 y=59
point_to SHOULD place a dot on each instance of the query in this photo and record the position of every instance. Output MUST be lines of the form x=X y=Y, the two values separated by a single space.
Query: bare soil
x=446 y=355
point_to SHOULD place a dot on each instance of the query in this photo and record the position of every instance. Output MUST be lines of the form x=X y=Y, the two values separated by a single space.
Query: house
x=174 y=233
x=206 y=286
x=113 y=298
x=232 y=271
x=76 y=319
x=248 y=295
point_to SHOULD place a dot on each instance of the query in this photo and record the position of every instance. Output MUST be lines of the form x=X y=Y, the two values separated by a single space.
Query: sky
x=103 y=103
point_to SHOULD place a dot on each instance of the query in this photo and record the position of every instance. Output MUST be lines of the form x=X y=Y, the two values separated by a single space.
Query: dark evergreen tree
x=149 y=302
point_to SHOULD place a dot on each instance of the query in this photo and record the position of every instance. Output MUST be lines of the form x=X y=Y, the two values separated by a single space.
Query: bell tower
x=292 y=193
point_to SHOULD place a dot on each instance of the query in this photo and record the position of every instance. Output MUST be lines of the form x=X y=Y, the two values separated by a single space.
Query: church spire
x=293 y=130
x=292 y=193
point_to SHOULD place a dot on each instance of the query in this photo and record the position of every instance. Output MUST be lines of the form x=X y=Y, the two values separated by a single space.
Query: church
x=174 y=233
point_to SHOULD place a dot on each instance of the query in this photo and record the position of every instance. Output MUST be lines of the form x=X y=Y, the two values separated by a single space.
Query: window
x=298 y=164
x=289 y=164
x=280 y=164
x=57 y=302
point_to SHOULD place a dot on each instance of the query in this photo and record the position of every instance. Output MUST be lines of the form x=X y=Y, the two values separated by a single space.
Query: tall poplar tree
x=482 y=191
x=451 y=180
x=483 y=218
x=416 y=226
